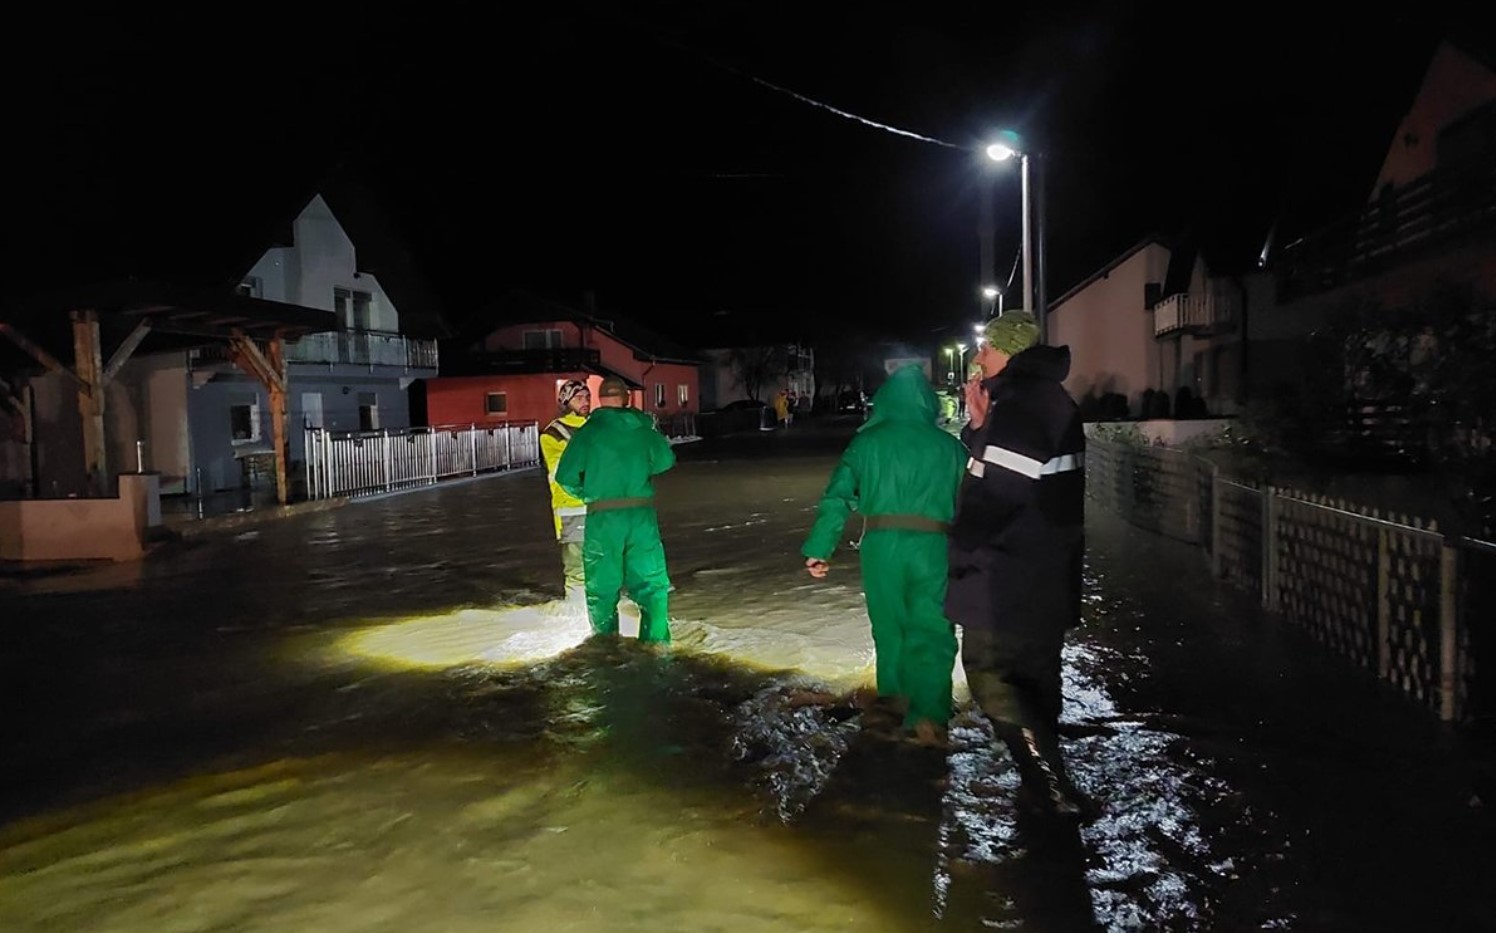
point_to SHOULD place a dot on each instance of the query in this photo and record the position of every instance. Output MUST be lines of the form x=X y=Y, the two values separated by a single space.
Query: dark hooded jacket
x=900 y=463
x=1018 y=538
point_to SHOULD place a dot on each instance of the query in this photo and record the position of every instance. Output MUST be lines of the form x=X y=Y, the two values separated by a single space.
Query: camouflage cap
x=1012 y=333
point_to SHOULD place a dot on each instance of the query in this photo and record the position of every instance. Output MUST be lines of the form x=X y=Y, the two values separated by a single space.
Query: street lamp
x=950 y=366
x=961 y=355
x=1033 y=287
x=995 y=295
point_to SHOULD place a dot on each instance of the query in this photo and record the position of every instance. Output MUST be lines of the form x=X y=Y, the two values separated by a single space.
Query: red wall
x=463 y=399
x=525 y=391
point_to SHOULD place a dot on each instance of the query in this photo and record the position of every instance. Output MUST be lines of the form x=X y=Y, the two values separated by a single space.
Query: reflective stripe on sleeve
x=1024 y=466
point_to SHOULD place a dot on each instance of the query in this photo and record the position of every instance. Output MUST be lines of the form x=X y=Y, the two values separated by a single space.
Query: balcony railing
x=1195 y=313
x=354 y=348
x=1443 y=207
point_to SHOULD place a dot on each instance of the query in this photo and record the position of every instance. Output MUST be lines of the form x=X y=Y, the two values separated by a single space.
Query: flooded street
x=378 y=718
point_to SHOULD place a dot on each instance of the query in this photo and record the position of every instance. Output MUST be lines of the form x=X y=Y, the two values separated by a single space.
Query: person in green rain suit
x=609 y=465
x=902 y=473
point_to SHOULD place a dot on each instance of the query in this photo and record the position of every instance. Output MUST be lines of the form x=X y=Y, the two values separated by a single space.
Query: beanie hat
x=613 y=387
x=1012 y=333
x=569 y=390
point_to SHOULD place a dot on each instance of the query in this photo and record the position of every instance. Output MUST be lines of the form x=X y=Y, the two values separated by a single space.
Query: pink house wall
x=1109 y=329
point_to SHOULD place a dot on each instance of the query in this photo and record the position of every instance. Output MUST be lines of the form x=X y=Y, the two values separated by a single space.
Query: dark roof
x=519 y=306
x=180 y=316
x=1107 y=269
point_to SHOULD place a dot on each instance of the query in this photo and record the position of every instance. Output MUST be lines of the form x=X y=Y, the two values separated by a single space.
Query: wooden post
x=1448 y=633
x=88 y=364
x=277 y=387
x=1384 y=603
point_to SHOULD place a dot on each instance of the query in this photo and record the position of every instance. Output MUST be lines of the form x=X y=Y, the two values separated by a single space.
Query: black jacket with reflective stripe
x=1018 y=537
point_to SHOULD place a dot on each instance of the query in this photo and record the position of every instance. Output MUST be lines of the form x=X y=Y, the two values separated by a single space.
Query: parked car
x=742 y=404
x=851 y=403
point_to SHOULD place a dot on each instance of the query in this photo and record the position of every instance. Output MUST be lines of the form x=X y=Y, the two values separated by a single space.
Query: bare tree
x=754 y=368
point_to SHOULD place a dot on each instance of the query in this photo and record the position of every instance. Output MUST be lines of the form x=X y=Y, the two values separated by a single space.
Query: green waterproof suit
x=902 y=473
x=608 y=465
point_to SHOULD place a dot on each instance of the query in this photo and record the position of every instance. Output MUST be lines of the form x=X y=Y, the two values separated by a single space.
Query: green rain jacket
x=901 y=463
x=613 y=456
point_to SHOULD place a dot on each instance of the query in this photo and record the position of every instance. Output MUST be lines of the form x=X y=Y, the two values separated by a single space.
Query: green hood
x=621 y=419
x=906 y=396
x=613 y=456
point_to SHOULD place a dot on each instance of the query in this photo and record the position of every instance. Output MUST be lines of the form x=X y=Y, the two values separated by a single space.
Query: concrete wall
x=59 y=437
x=81 y=529
x=1109 y=329
x=148 y=402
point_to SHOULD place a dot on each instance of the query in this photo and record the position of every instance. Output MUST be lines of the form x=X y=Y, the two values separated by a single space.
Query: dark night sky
x=571 y=149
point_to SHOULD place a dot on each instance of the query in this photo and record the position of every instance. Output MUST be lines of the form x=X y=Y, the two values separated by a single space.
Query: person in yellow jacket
x=570 y=512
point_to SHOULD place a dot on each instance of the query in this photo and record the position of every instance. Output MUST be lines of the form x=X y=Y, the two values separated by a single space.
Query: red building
x=514 y=374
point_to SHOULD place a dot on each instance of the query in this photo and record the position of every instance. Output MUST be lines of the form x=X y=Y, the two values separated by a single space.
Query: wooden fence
x=1390 y=592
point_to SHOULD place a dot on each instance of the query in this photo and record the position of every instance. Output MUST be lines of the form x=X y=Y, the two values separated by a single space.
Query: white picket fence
x=365 y=462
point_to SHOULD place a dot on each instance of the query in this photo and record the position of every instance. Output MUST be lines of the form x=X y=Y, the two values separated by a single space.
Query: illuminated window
x=659 y=395
x=244 y=421
x=683 y=394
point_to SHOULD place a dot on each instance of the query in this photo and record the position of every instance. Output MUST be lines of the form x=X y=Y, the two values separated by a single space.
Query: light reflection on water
x=483 y=766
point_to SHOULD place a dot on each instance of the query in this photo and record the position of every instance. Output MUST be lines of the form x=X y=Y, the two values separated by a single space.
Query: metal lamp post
x=1033 y=238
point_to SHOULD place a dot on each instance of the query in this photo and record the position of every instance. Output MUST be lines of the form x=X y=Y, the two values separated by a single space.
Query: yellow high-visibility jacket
x=553 y=441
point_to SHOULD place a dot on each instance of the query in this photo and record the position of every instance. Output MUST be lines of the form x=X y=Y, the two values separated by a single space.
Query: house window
x=311 y=409
x=542 y=339
x=368 y=411
x=244 y=421
x=496 y=403
x=354 y=310
x=683 y=394
x=659 y=395
x=252 y=287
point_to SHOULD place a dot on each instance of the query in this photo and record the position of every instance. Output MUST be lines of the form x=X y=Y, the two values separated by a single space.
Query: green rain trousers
x=901 y=473
x=623 y=549
x=610 y=465
x=903 y=578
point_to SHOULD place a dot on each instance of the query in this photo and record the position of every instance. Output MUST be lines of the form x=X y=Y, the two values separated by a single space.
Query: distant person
x=570 y=513
x=901 y=472
x=610 y=464
x=1017 y=544
x=782 y=408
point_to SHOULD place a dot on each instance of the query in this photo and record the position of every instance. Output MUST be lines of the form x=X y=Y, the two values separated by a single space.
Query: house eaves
x=1107 y=269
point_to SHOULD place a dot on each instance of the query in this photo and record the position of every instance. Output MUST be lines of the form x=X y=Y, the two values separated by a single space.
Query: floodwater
x=378 y=718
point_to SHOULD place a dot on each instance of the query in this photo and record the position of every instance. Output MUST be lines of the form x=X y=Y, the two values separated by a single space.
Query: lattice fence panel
x=1241 y=535
x=1326 y=577
x=1413 y=610
x=1103 y=476
x=1164 y=492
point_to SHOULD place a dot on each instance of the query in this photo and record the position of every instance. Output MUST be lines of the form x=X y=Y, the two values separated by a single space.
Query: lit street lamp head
x=998 y=152
x=990 y=292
